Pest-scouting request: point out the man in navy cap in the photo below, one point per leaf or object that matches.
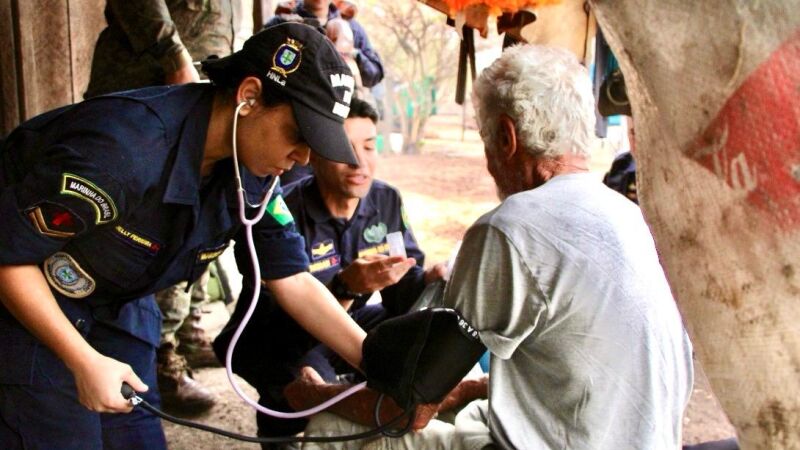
(344, 215)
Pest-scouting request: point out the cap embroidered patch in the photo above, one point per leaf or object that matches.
(54, 220)
(375, 233)
(67, 277)
(321, 249)
(86, 190)
(279, 211)
(287, 57)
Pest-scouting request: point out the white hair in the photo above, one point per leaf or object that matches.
(547, 94)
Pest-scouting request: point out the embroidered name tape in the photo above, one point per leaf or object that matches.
(88, 191)
(137, 239)
(323, 264)
(210, 254)
(382, 248)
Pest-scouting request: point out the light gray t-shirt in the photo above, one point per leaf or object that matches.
(588, 348)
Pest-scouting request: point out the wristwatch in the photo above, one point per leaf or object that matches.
(340, 290)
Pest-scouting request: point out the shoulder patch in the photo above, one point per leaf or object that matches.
(404, 216)
(279, 211)
(67, 277)
(86, 190)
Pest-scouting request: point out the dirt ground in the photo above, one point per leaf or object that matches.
(445, 188)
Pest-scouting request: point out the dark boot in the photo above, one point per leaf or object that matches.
(179, 391)
(195, 344)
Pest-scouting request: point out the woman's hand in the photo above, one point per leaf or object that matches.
(99, 380)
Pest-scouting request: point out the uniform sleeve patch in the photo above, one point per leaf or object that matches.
(55, 220)
(404, 216)
(279, 211)
(67, 277)
(86, 190)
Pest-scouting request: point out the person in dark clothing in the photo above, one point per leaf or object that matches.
(108, 201)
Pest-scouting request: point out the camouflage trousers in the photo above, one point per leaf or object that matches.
(176, 305)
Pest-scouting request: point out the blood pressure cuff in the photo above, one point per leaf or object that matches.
(421, 356)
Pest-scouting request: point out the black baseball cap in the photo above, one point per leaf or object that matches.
(302, 63)
(613, 98)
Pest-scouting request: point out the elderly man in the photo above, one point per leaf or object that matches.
(561, 282)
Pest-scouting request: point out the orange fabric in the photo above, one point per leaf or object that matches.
(497, 7)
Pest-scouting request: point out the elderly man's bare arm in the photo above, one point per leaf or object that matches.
(310, 390)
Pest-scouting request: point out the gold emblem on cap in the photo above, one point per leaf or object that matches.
(286, 58)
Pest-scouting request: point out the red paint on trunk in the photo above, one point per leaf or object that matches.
(754, 142)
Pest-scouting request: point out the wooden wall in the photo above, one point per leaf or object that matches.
(45, 55)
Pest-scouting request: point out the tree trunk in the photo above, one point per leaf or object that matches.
(716, 99)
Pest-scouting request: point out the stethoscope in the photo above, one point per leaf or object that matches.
(248, 226)
(248, 223)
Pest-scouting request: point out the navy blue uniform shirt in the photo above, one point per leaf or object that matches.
(273, 342)
(107, 197)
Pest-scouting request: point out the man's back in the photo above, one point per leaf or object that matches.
(588, 347)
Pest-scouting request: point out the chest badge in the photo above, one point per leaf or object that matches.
(322, 249)
(67, 277)
(375, 233)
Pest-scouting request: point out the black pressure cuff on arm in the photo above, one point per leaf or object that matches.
(421, 356)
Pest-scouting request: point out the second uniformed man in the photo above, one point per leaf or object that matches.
(344, 216)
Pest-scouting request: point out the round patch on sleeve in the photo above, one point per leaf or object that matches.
(67, 277)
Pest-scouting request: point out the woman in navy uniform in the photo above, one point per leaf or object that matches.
(107, 201)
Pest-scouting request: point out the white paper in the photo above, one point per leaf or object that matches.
(397, 246)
